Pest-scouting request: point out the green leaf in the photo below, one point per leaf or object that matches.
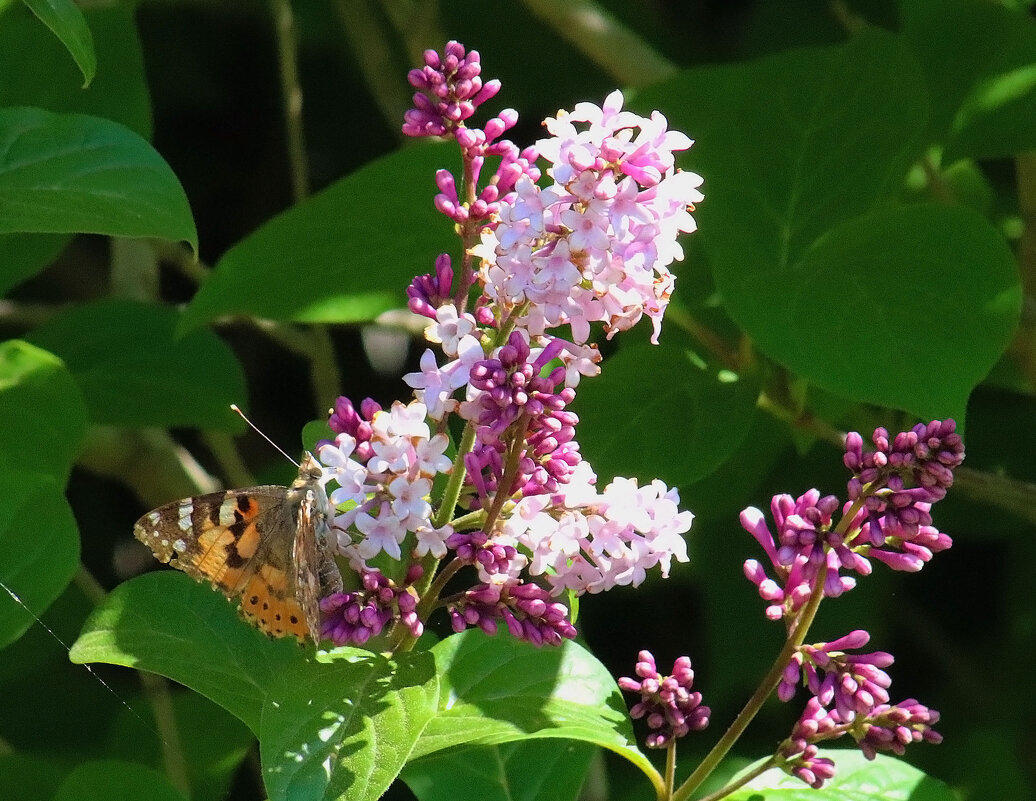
(346, 728)
(498, 690)
(66, 21)
(134, 371)
(39, 549)
(24, 255)
(792, 145)
(908, 308)
(344, 255)
(519, 771)
(869, 303)
(69, 173)
(43, 411)
(996, 120)
(356, 709)
(684, 420)
(978, 62)
(856, 779)
(314, 431)
(29, 778)
(166, 623)
(44, 423)
(38, 72)
(214, 742)
(112, 780)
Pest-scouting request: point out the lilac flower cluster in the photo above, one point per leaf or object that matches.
(799, 756)
(596, 244)
(886, 518)
(668, 704)
(898, 483)
(449, 90)
(854, 683)
(511, 386)
(517, 501)
(384, 470)
(884, 728)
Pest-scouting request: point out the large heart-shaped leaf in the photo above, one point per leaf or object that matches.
(655, 413)
(498, 690)
(39, 549)
(43, 411)
(338, 726)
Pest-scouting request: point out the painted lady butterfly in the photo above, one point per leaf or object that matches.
(265, 546)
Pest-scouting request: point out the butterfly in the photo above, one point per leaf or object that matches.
(267, 546)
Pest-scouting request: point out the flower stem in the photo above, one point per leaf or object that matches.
(451, 494)
(769, 683)
(741, 782)
(670, 768)
(430, 598)
(503, 487)
(287, 52)
(156, 691)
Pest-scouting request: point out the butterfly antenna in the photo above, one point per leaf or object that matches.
(256, 429)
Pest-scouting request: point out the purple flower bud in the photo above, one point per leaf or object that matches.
(523, 607)
(901, 478)
(355, 617)
(670, 708)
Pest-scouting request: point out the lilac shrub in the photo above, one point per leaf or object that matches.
(544, 258)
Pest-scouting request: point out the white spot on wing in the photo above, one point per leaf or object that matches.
(226, 514)
(185, 516)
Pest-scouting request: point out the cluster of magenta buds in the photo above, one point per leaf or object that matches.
(352, 618)
(818, 539)
(670, 708)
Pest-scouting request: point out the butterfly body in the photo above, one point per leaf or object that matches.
(267, 546)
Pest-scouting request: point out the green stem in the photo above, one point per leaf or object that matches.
(741, 782)
(376, 56)
(291, 91)
(431, 598)
(156, 689)
(769, 683)
(89, 585)
(323, 369)
(231, 465)
(503, 486)
(470, 521)
(451, 494)
(616, 49)
(670, 768)
(430, 585)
